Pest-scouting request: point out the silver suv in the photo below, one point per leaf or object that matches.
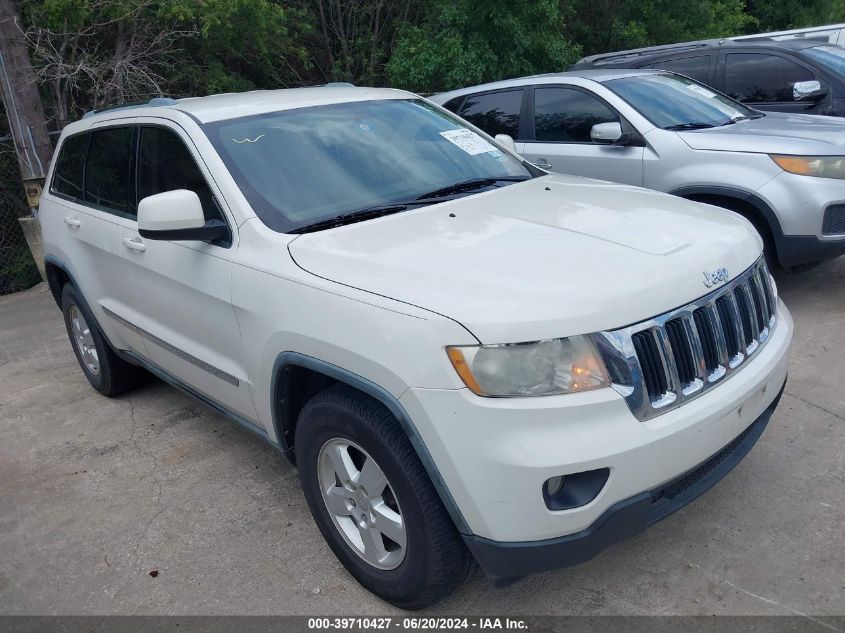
(657, 129)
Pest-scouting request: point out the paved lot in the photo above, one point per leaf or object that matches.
(96, 493)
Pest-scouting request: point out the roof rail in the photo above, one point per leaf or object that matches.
(152, 103)
(337, 84)
(609, 58)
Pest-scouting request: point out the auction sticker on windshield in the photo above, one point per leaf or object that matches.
(468, 141)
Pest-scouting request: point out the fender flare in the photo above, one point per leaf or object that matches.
(286, 360)
(749, 197)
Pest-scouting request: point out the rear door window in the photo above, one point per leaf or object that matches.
(70, 167)
(495, 112)
(108, 171)
(697, 67)
(762, 78)
(566, 115)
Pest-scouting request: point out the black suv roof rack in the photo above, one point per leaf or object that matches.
(154, 102)
(620, 56)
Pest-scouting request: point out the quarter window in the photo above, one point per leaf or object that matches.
(495, 112)
(759, 78)
(70, 167)
(565, 115)
(697, 67)
(166, 164)
(108, 171)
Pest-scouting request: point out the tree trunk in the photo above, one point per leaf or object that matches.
(22, 103)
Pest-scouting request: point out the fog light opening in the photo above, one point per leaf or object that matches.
(564, 492)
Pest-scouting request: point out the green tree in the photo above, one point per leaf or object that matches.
(777, 15)
(464, 42)
(607, 25)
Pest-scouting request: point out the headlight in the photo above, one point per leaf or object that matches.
(542, 368)
(819, 166)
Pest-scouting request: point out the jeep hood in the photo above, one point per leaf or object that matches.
(549, 257)
(775, 133)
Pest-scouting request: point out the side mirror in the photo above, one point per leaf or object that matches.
(807, 90)
(177, 215)
(507, 141)
(607, 133)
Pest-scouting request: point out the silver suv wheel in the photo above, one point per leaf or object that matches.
(361, 503)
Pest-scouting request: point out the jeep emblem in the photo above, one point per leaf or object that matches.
(718, 276)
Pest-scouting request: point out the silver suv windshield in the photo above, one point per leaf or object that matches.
(673, 102)
(312, 168)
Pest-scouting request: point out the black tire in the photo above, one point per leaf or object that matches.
(435, 559)
(115, 376)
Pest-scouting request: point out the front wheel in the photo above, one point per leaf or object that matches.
(373, 501)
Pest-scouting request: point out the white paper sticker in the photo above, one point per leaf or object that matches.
(468, 141)
(702, 90)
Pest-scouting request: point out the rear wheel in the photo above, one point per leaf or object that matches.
(373, 501)
(107, 373)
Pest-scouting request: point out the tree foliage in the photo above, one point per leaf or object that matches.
(461, 42)
(89, 53)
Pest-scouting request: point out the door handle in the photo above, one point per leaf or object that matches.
(134, 244)
(73, 222)
(542, 164)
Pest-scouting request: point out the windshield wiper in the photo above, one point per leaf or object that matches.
(360, 215)
(432, 197)
(739, 118)
(469, 185)
(688, 126)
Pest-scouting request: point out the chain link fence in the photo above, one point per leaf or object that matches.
(17, 268)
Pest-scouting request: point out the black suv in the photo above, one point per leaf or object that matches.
(802, 77)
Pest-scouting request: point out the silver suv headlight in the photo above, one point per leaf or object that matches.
(540, 368)
(818, 166)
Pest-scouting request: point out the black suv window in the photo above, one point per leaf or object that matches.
(759, 78)
(70, 164)
(165, 164)
(108, 171)
(495, 112)
(697, 67)
(567, 115)
(452, 104)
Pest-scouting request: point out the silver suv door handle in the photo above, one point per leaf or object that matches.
(134, 244)
(73, 222)
(542, 164)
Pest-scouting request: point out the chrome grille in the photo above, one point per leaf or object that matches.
(661, 363)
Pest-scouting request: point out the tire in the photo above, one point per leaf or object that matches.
(433, 560)
(107, 373)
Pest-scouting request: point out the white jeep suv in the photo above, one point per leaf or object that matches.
(470, 359)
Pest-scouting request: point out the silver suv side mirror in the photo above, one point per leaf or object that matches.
(807, 90)
(507, 142)
(606, 133)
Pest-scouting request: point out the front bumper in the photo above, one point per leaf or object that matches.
(799, 202)
(494, 454)
(622, 520)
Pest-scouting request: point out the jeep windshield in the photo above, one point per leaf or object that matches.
(673, 102)
(314, 168)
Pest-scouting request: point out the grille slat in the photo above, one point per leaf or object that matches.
(682, 351)
(692, 347)
(655, 380)
(730, 325)
(707, 336)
